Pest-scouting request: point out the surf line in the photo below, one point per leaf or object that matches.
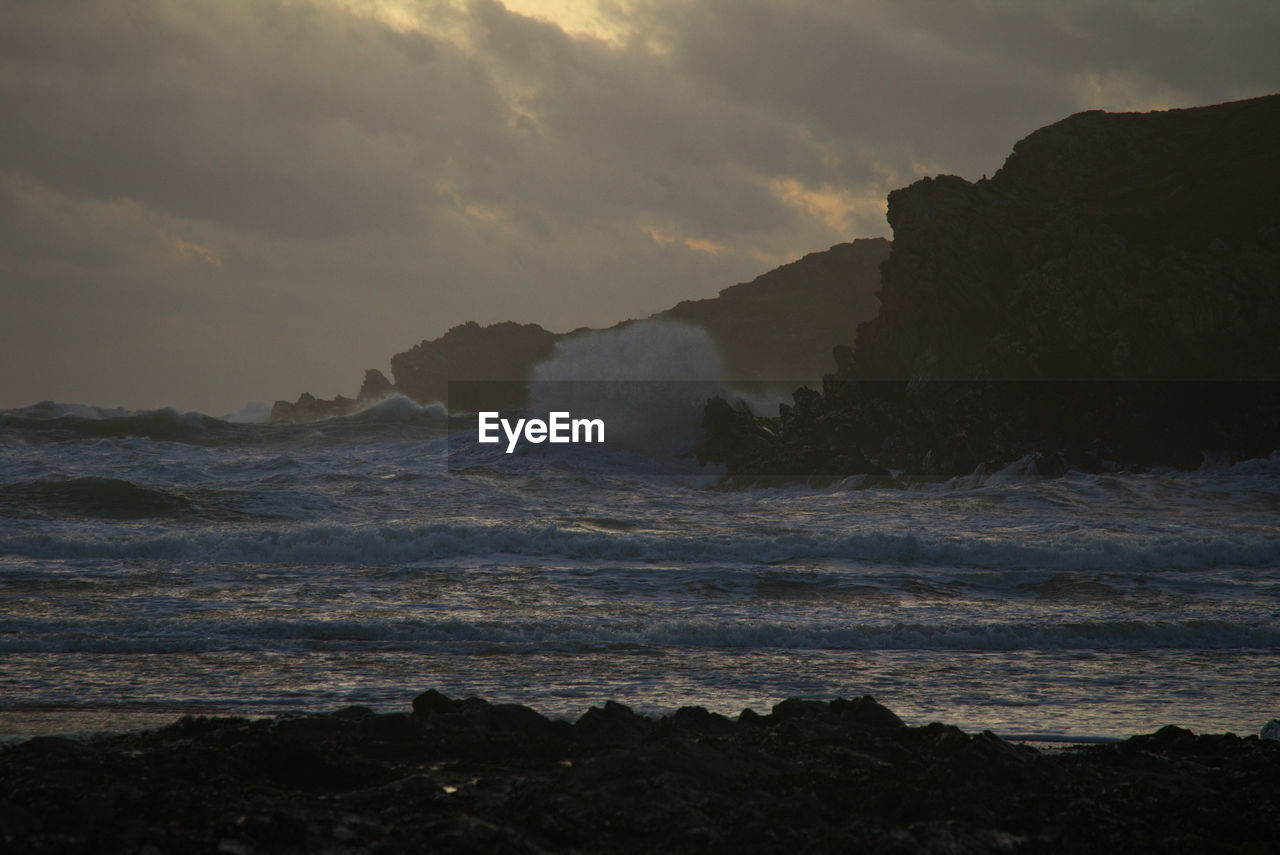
(558, 428)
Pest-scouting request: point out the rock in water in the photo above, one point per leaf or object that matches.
(375, 387)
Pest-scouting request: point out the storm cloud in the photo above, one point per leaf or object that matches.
(203, 203)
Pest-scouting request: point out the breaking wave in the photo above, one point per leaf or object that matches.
(95, 497)
(648, 381)
(363, 545)
(126, 636)
(393, 418)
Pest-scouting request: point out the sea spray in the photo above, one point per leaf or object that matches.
(647, 380)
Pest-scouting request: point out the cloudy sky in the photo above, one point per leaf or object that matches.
(207, 202)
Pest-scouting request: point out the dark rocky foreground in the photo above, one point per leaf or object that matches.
(469, 776)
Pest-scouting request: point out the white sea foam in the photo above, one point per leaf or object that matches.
(648, 381)
(398, 408)
(649, 350)
(254, 412)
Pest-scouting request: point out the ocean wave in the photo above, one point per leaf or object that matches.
(362, 545)
(95, 497)
(395, 418)
(602, 634)
(396, 408)
(50, 422)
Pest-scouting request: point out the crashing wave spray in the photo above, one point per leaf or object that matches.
(645, 350)
(648, 380)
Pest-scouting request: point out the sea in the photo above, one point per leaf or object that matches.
(156, 564)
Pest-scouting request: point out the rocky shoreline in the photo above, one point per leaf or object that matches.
(470, 776)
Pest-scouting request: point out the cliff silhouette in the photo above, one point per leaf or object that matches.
(1108, 299)
(1108, 246)
(780, 326)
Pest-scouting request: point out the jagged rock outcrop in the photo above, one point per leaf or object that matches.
(1124, 267)
(502, 355)
(375, 387)
(309, 408)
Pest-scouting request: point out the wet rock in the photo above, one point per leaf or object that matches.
(520, 722)
(793, 708)
(375, 386)
(309, 408)
(865, 712)
(696, 721)
(432, 702)
(495, 361)
(393, 728)
(1169, 736)
(611, 725)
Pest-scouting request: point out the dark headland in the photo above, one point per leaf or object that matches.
(470, 776)
(1109, 299)
(779, 326)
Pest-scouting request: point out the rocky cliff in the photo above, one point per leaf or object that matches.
(1124, 267)
(780, 326)
(1109, 246)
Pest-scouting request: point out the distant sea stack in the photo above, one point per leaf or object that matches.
(1109, 298)
(780, 326)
